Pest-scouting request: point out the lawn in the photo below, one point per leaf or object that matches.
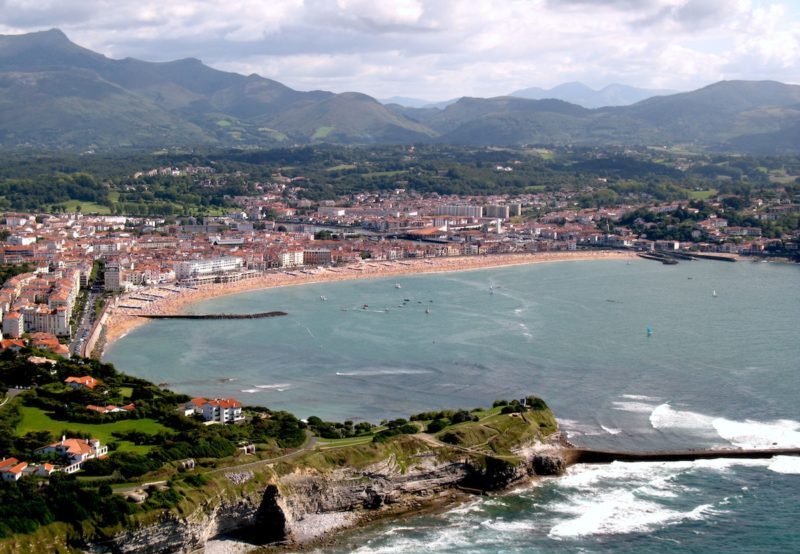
(327, 444)
(34, 419)
(86, 207)
(702, 194)
(341, 167)
(384, 173)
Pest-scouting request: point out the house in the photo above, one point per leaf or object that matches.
(85, 382)
(75, 451)
(111, 409)
(223, 410)
(14, 344)
(11, 469)
(45, 470)
(218, 410)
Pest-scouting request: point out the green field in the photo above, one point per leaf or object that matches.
(322, 132)
(702, 194)
(34, 419)
(384, 173)
(86, 207)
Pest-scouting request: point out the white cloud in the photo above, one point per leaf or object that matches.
(441, 48)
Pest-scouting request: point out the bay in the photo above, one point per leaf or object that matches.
(716, 371)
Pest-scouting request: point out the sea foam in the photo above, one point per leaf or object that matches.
(781, 433)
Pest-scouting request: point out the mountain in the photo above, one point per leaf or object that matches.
(56, 94)
(578, 93)
(416, 102)
(729, 115)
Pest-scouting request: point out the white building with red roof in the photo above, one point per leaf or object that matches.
(12, 469)
(85, 382)
(75, 451)
(217, 410)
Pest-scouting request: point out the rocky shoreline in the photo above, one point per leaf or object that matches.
(307, 508)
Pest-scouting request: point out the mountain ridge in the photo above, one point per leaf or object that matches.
(57, 94)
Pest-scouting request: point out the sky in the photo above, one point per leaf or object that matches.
(441, 49)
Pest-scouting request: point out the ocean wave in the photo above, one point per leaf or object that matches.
(623, 497)
(250, 391)
(378, 372)
(783, 433)
(622, 513)
(665, 416)
(279, 386)
(508, 526)
(759, 434)
(633, 407)
(641, 397)
(789, 465)
(611, 430)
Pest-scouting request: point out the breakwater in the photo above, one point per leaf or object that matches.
(588, 456)
(259, 315)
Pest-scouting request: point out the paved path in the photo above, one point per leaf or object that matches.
(10, 396)
(307, 447)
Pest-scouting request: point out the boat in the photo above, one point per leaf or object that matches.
(714, 293)
(397, 286)
(323, 298)
(365, 307)
(427, 310)
(649, 331)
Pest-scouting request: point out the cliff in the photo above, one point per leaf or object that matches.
(304, 502)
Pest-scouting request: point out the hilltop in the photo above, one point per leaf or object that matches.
(171, 483)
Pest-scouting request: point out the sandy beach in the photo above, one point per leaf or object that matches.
(123, 316)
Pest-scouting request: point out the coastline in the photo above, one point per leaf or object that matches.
(121, 320)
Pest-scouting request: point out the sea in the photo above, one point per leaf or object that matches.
(630, 355)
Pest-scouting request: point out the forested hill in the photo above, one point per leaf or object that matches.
(55, 94)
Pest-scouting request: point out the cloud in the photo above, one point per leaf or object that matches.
(439, 49)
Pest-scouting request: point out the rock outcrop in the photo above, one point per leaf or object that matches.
(307, 505)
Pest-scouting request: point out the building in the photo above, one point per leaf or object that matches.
(460, 210)
(113, 276)
(85, 382)
(291, 258)
(75, 451)
(11, 469)
(198, 270)
(13, 325)
(217, 410)
(496, 211)
(316, 256)
(110, 409)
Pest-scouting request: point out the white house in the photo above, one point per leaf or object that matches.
(75, 451)
(218, 410)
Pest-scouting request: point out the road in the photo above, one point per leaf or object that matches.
(86, 322)
(10, 396)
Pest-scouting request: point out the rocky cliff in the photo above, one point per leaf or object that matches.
(305, 505)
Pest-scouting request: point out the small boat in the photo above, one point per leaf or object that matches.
(365, 307)
(427, 310)
(397, 286)
(649, 331)
(323, 298)
(714, 293)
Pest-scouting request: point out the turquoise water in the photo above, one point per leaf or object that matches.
(719, 371)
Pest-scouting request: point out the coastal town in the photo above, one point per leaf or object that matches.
(77, 280)
(67, 268)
